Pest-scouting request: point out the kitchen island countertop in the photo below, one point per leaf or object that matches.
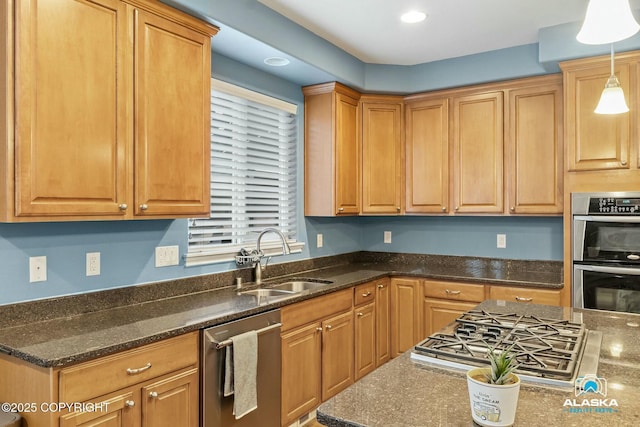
(404, 393)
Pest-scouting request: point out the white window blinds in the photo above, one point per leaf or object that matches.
(253, 170)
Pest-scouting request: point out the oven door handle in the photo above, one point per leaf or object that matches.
(605, 269)
(620, 219)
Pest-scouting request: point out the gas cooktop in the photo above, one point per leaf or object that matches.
(549, 351)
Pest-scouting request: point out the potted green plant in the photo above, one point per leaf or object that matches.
(493, 391)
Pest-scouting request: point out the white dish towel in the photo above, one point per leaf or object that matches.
(241, 369)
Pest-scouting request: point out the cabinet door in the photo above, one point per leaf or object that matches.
(120, 409)
(172, 401)
(347, 155)
(439, 313)
(172, 115)
(381, 158)
(406, 318)
(427, 147)
(383, 319)
(71, 108)
(365, 339)
(337, 354)
(478, 153)
(534, 150)
(301, 371)
(595, 141)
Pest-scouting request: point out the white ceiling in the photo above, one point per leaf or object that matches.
(371, 30)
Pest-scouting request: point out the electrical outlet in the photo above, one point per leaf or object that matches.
(387, 237)
(93, 263)
(167, 256)
(319, 241)
(37, 269)
(501, 241)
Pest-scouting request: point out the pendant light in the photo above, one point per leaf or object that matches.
(607, 21)
(612, 99)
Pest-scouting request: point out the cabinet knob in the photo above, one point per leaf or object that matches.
(123, 206)
(444, 209)
(153, 394)
(512, 209)
(457, 207)
(623, 163)
(144, 207)
(380, 286)
(523, 299)
(328, 327)
(360, 314)
(319, 329)
(340, 209)
(129, 403)
(398, 208)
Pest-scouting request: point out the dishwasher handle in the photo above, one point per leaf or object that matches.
(228, 342)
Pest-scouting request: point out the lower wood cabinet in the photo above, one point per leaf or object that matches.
(522, 294)
(337, 354)
(439, 313)
(406, 314)
(383, 321)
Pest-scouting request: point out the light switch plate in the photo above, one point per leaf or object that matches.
(387, 237)
(501, 241)
(167, 256)
(319, 240)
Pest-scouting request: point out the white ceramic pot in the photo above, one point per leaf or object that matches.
(492, 405)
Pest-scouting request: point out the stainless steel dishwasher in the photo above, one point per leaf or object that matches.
(217, 410)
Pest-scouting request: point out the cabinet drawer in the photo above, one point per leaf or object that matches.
(365, 293)
(315, 309)
(535, 296)
(109, 373)
(454, 291)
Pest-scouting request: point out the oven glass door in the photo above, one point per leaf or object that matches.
(617, 242)
(609, 288)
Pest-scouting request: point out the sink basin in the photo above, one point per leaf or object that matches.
(261, 293)
(300, 285)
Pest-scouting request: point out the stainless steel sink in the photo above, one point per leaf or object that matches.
(261, 293)
(300, 285)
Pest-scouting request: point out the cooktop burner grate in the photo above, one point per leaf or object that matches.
(545, 348)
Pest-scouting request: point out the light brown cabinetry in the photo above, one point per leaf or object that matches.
(382, 155)
(522, 294)
(596, 141)
(444, 302)
(112, 124)
(427, 155)
(534, 149)
(332, 155)
(478, 150)
(317, 352)
(383, 321)
(365, 339)
(406, 314)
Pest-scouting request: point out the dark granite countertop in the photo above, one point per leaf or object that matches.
(66, 330)
(405, 393)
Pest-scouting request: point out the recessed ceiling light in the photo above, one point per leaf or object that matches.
(276, 61)
(413, 16)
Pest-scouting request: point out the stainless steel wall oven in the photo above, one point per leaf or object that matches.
(606, 251)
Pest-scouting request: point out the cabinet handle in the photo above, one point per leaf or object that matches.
(131, 371)
(623, 163)
(360, 314)
(328, 327)
(144, 207)
(523, 299)
(153, 394)
(319, 329)
(457, 207)
(398, 208)
(340, 209)
(380, 286)
(129, 403)
(512, 209)
(444, 209)
(366, 294)
(123, 206)
(450, 292)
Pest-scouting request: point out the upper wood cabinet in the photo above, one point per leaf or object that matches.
(107, 112)
(332, 150)
(427, 155)
(478, 150)
(596, 141)
(382, 154)
(533, 148)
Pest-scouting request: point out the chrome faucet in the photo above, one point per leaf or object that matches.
(258, 265)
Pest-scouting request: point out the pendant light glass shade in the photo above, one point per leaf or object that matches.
(607, 21)
(612, 99)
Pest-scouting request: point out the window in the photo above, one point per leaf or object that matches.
(253, 174)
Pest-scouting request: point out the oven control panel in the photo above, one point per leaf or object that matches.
(614, 205)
